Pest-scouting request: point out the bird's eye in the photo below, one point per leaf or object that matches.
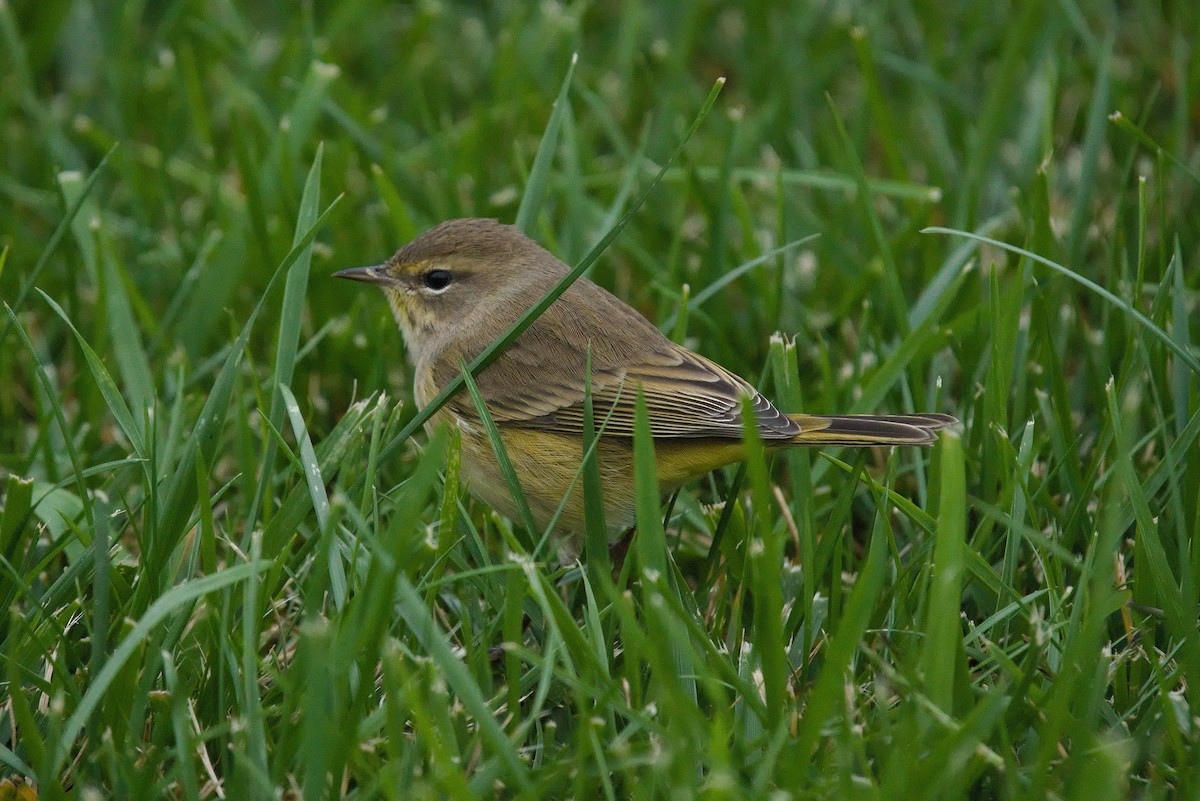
(437, 280)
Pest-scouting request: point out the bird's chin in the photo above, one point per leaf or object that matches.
(415, 325)
(400, 310)
(398, 302)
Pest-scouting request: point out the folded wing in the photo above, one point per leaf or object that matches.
(687, 396)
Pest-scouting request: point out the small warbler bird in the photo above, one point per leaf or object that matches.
(458, 287)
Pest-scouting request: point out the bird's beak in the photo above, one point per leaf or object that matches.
(368, 275)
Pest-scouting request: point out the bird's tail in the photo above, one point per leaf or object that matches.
(863, 430)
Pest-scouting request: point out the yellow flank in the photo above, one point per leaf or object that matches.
(681, 460)
(548, 467)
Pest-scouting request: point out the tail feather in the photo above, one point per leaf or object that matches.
(863, 430)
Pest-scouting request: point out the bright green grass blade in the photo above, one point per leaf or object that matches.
(671, 659)
(602, 655)
(766, 568)
(14, 515)
(943, 626)
(290, 321)
(501, 451)
(1020, 503)
(316, 657)
(108, 388)
(823, 179)
(316, 488)
(539, 173)
(1102, 770)
(650, 543)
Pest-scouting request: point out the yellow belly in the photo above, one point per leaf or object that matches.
(549, 467)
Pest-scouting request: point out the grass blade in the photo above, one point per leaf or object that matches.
(943, 625)
(165, 605)
(290, 320)
(539, 173)
(433, 640)
(1120, 303)
(55, 237)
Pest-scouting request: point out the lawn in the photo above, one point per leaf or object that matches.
(233, 563)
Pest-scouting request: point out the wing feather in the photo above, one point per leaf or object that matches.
(687, 396)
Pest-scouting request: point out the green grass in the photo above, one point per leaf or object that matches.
(230, 561)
